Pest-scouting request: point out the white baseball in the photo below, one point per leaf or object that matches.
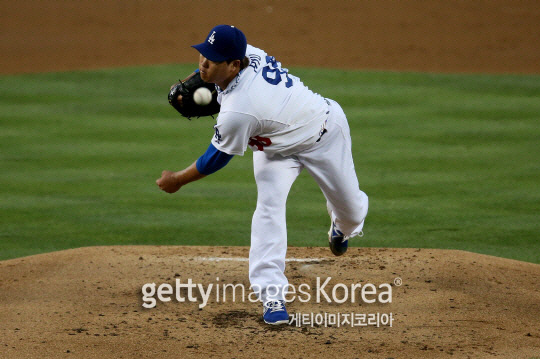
(202, 96)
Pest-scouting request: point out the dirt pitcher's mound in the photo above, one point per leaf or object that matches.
(88, 303)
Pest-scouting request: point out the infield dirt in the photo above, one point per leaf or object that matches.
(87, 303)
(442, 36)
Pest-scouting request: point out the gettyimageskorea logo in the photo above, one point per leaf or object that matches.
(321, 291)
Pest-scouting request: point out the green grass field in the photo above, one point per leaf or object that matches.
(448, 161)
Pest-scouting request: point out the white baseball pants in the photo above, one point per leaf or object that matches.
(330, 163)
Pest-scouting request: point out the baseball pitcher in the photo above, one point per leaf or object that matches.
(289, 128)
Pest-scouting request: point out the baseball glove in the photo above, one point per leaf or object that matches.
(187, 107)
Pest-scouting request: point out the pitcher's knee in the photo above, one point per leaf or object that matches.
(353, 216)
(354, 221)
(271, 203)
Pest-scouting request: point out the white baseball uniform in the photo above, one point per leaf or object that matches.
(289, 128)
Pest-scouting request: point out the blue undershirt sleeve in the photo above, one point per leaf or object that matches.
(212, 160)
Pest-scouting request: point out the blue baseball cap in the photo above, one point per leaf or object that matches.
(224, 42)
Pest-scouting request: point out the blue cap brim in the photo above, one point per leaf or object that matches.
(209, 53)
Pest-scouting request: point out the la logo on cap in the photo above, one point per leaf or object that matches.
(211, 38)
(223, 43)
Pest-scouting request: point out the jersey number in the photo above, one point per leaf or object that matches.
(259, 142)
(272, 72)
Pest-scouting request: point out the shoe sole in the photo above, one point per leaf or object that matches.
(335, 250)
(279, 322)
